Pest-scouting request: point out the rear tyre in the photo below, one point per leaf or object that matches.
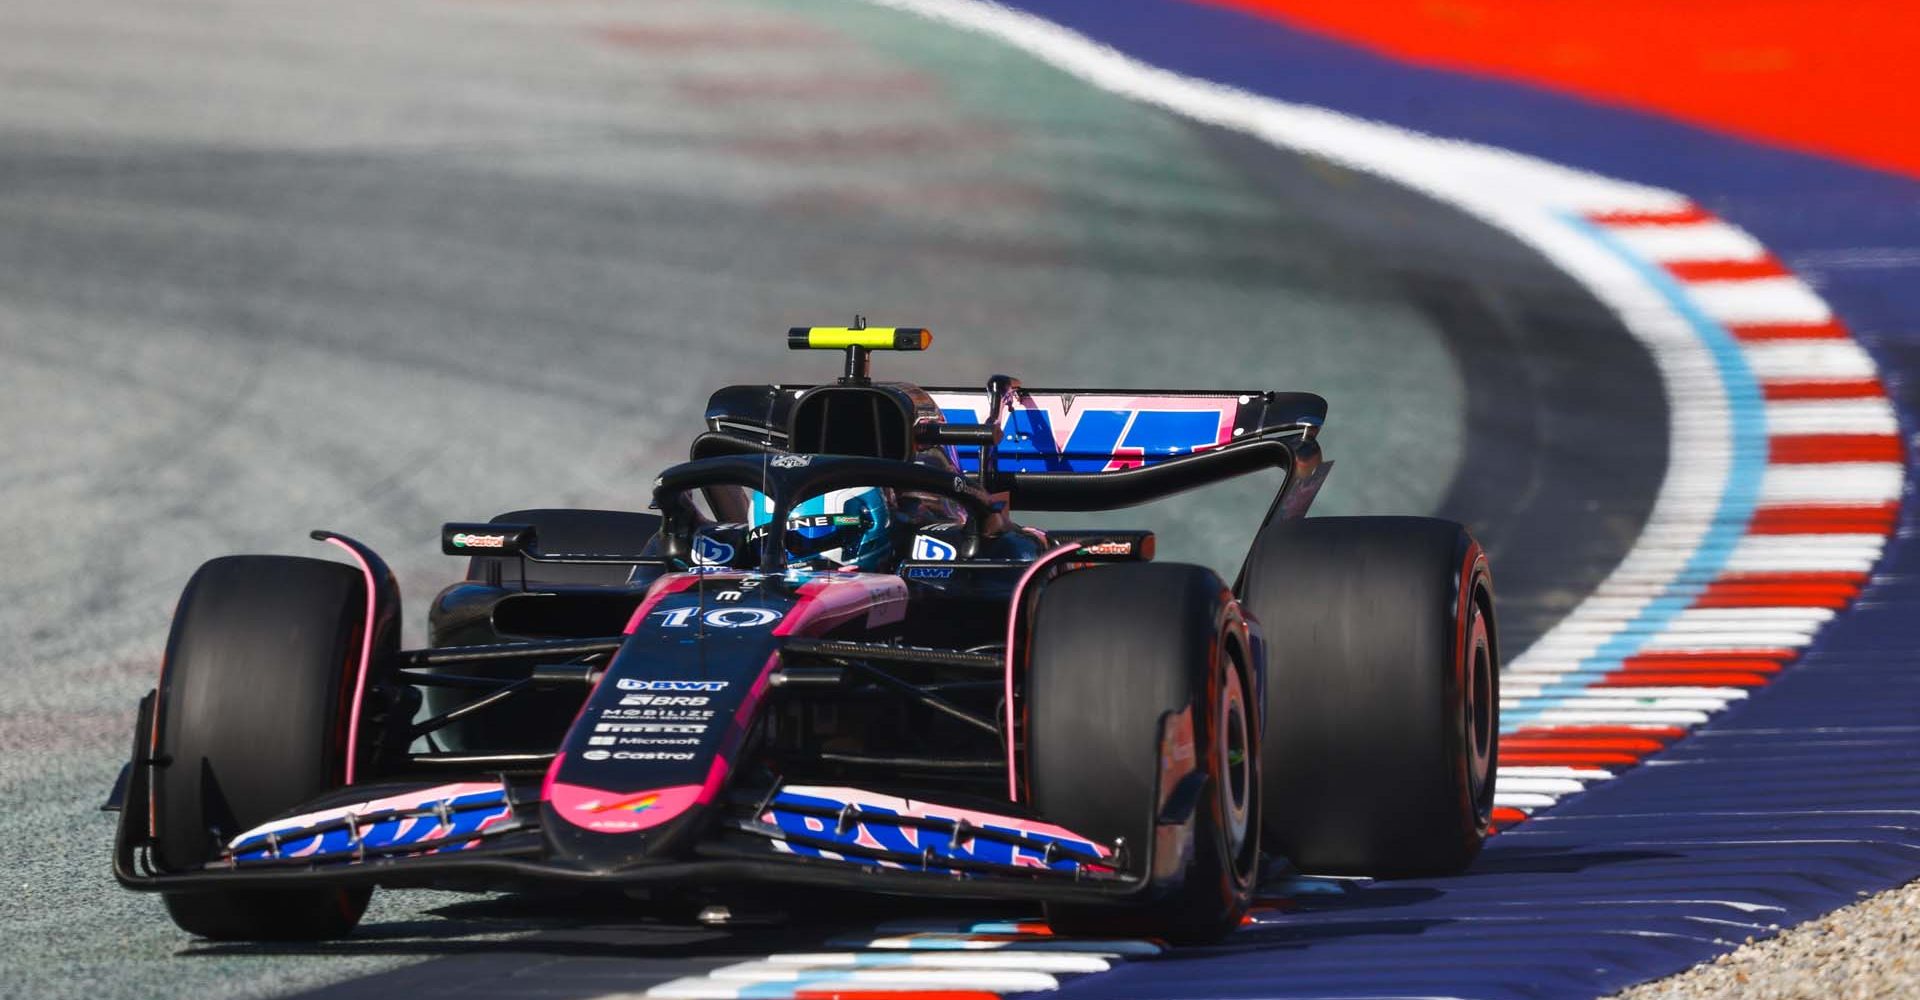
(596, 532)
(253, 707)
(1115, 651)
(1383, 693)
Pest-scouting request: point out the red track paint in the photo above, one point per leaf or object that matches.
(1795, 449)
(1726, 270)
(1569, 744)
(1707, 679)
(1805, 519)
(1865, 388)
(1656, 663)
(1831, 330)
(1826, 78)
(1692, 213)
(1506, 816)
(1570, 758)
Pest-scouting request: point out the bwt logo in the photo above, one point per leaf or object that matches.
(1093, 440)
(873, 831)
(629, 684)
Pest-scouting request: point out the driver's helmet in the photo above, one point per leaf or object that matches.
(852, 527)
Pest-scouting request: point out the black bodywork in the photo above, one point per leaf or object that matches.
(787, 688)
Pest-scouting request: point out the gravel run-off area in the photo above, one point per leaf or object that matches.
(1868, 950)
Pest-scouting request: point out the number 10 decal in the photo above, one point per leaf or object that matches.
(719, 617)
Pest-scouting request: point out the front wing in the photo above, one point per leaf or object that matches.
(486, 835)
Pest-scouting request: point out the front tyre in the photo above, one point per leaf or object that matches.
(252, 720)
(1119, 656)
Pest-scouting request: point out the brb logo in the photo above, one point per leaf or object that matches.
(1096, 433)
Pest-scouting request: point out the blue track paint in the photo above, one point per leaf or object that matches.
(1747, 429)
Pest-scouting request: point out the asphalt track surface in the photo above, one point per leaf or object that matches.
(265, 268)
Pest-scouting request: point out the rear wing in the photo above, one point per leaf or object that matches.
(1080, 449)
(1106, 430)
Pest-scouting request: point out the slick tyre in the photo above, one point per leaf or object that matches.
(253, 705)
(1383, 693)
(1120, 656)
(597, 532)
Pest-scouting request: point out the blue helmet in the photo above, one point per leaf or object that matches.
(852, 527)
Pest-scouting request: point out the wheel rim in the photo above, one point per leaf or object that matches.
(1236, 761)
(1479, 708)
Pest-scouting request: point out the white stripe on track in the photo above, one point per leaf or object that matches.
(1697, 241)
(1831, 416)
(1774, 360)
(1839, 482)
(1759, 301)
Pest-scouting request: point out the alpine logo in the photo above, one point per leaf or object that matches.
(708, 552)
(927, 548)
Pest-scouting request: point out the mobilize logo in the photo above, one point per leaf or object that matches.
(629, 684)
(630, 714)
(464, 540)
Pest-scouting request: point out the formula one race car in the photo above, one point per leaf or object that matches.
(830, 657)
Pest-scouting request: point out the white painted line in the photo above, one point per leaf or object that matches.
(1694, 241)
(1724, 694)
(1522, 800)
(1062, 962)
(1617, 717)
(690, 988)
(1624, 700)
(1831, 416)
(963, 942)
(1540, 786)
(1576, 773)
(1836, 482)
(1680, 642)
(1781, 360)
(1721, 694)
(991, 980)
(1759, 300)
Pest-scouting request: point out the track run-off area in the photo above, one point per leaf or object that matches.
(437, 262)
